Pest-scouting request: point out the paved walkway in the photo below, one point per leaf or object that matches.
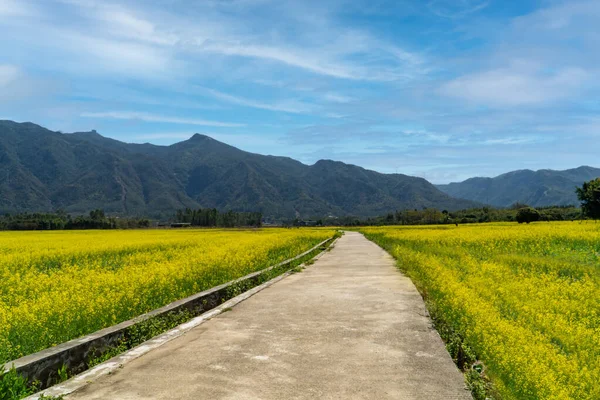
(351, 326)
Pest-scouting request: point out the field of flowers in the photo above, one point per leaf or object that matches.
(59, 285)
(525, 299)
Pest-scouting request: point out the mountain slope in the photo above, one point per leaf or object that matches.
(537, 188)
(41, 170)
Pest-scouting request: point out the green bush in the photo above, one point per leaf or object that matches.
(13, 386)
(528, 215)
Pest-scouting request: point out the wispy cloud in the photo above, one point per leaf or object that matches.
(93, 51)
(456, 8)
(510, 141)
(292, 58)
(338, 98)
(123, 22)
(140, 35)
(118, 56)
(430, 136)
(289, 106)
(146, 117)
(560, 16)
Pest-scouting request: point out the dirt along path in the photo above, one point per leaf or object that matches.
(351, 326)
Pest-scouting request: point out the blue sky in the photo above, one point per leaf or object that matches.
(443, 89)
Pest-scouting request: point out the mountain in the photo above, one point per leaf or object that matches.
(545, 187)
(42, 170)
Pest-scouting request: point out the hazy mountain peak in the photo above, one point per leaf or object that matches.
(544, 187)
(200, 139)
(325, 162)
(196, 137)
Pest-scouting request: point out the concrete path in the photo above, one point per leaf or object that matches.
(351, 326)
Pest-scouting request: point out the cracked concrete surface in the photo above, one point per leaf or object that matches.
(351, 326)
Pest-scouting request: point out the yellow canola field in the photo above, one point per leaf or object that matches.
(59, 285)
(526, 298)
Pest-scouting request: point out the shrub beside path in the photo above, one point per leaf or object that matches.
(351, 326)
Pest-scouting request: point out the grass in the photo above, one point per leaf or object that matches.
(141, 332)
(13, 386)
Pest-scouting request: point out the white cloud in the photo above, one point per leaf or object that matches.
(87, 52)
(403, 55)
(147, 117)
(150, 39)
(120, 21)
(119, 56)
(338, 98)
(560, 16)
(15, 8)
(545, 57)
(335, 115)
(8, 74)
(515, 87)
(128, 21)
(17, 85)
(225, 40)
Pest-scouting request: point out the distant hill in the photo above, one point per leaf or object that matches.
(42, 170)
(545, 187)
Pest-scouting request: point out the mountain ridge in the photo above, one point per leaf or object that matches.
(539, 188)
(81, 171)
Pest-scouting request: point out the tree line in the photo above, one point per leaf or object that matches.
(211, 217)
(59, 220)
(433, 216)
(588, 195)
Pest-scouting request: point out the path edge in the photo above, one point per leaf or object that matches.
(106, 368)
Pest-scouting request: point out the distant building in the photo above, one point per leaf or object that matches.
(180, 224)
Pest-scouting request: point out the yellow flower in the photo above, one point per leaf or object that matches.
(59, 285)
(526, 298)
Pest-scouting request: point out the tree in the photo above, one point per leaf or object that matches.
(518, 205)
(446, 215)
(211, 217)
(97, 215)
(589, 195)
(527, 215)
